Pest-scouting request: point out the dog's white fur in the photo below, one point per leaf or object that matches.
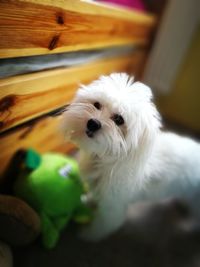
(132, 162)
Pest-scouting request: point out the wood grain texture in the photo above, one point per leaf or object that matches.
(27, 96)
(43, 135)
(97, 8)
(29, 27)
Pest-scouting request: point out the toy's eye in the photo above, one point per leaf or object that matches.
(118, 119)
(97, 105)
(65, 171)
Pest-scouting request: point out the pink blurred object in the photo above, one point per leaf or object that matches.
(137, 4)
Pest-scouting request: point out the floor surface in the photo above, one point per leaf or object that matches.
(158, 235)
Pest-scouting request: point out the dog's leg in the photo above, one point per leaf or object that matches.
(109, 216)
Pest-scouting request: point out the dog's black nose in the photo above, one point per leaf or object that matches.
(93, 125)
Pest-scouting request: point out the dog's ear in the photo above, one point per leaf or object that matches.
(143, 90)
(146, 123)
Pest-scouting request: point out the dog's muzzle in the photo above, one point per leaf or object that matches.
(93, 126)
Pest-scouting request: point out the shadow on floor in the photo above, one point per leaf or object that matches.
(158, 235)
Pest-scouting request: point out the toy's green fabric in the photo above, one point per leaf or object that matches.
(51, 184)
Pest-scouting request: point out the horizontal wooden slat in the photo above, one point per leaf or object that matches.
(43, 135)
(33, 27)
(27, 96)
(96, 8)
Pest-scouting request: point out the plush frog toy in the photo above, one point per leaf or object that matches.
(51, 184)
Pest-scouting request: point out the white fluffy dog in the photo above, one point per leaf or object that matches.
(124, 154)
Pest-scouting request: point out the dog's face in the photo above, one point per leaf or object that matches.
(111, 116)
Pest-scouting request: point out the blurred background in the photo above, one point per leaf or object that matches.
(172, 68)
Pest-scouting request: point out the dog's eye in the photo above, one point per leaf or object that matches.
(118, 119)
(97, 105)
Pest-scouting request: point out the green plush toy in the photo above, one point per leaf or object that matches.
(51, 184)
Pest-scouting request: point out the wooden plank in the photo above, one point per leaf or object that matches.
(97, 8)
(29, 27)
(43, 135)
(27, 96)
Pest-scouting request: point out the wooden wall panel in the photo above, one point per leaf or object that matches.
(42, 134)
(33, 27)
(27, 96)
